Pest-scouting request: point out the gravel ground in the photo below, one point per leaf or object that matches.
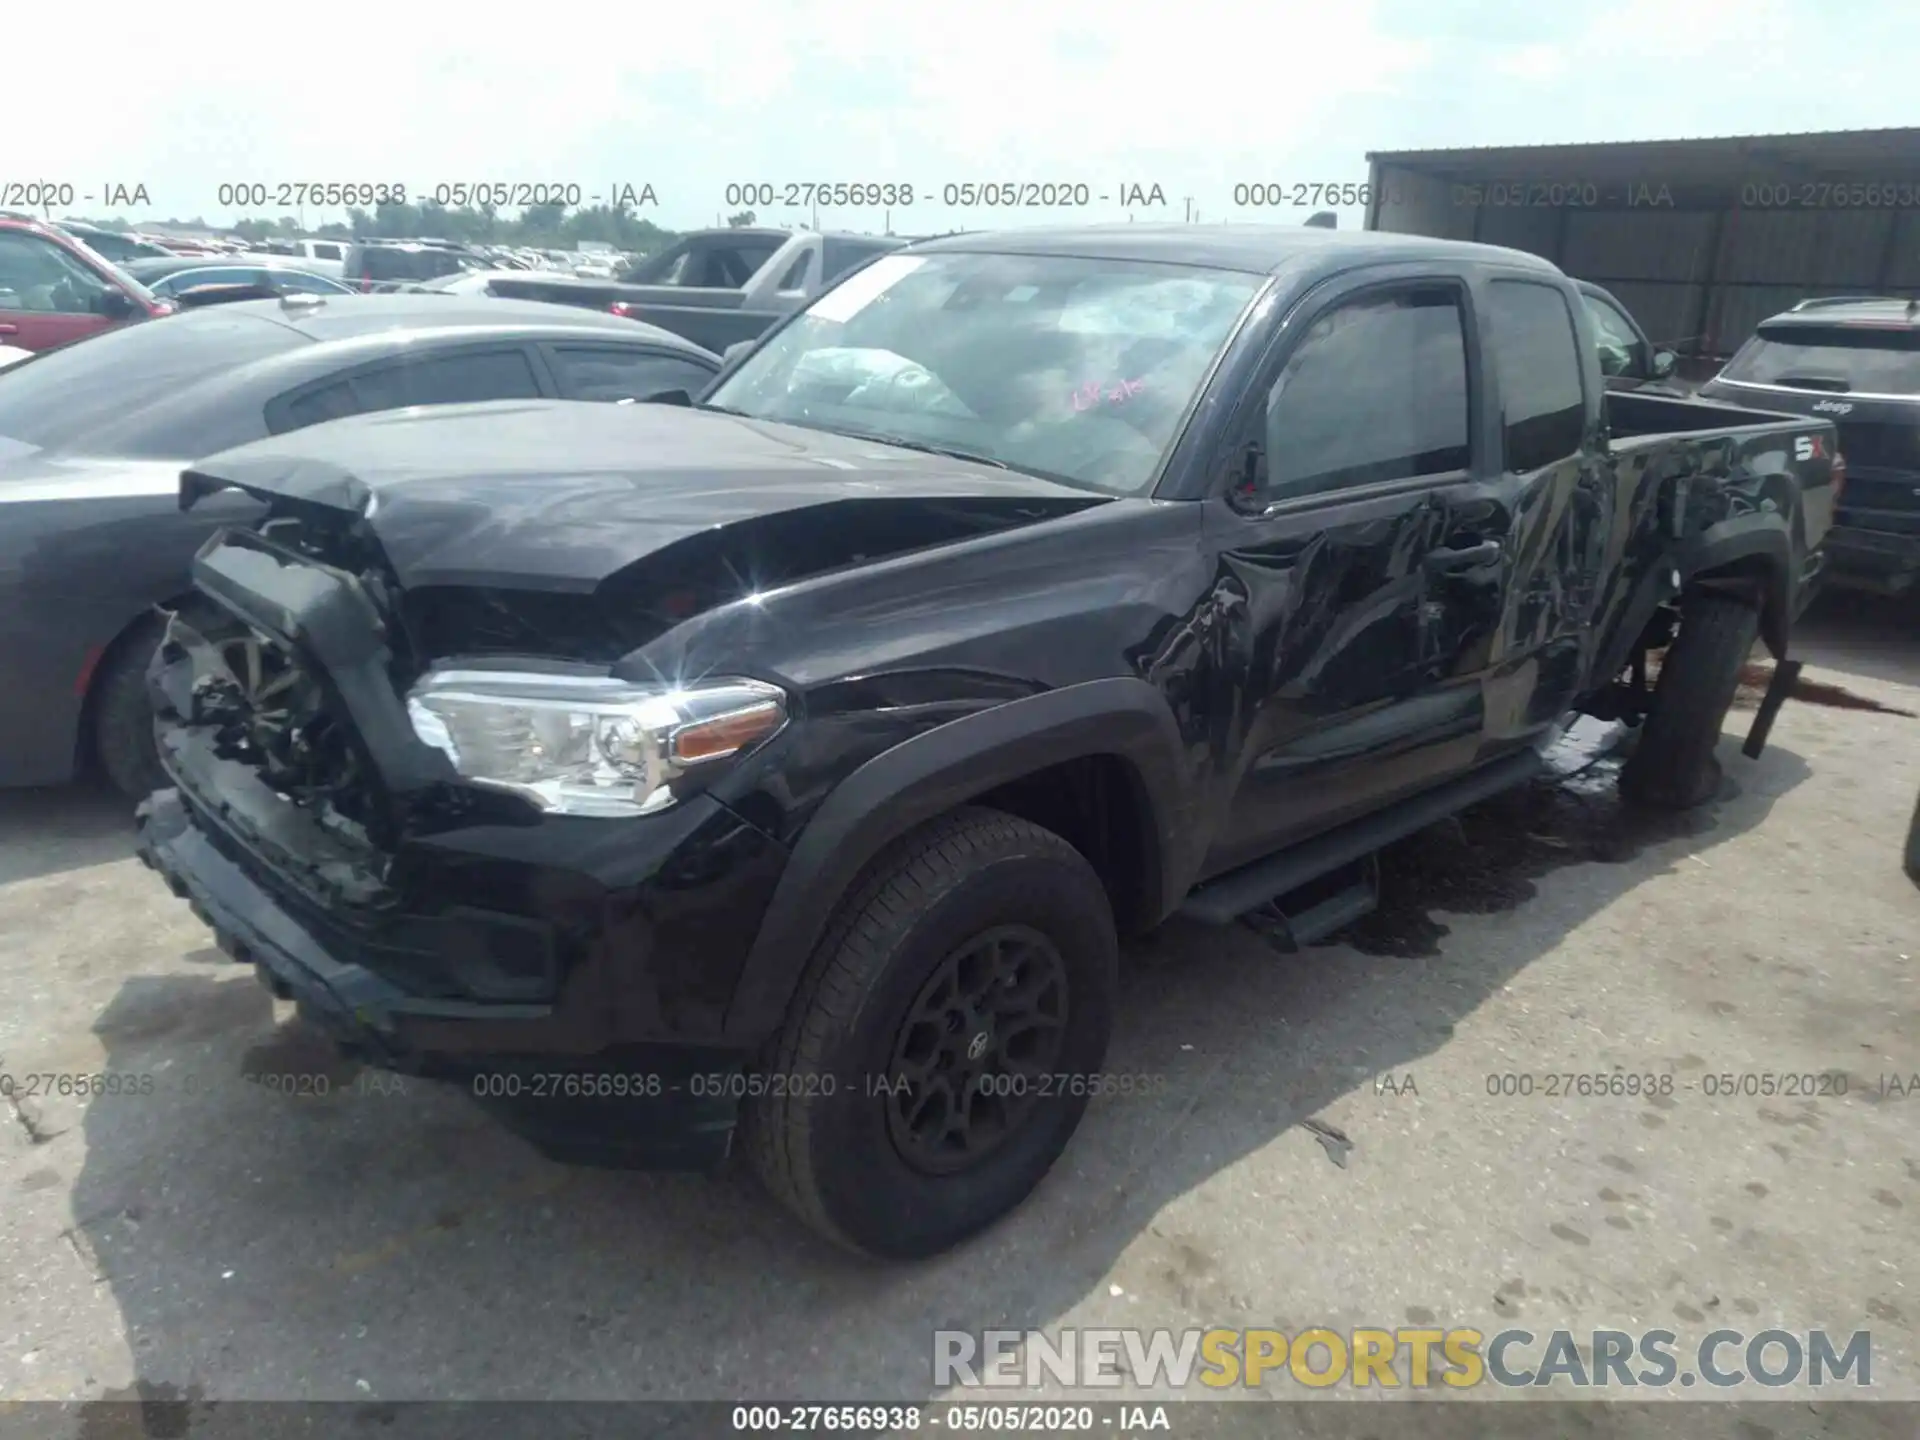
(1322, 1149)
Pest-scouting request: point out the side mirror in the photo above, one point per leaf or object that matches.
(1662, 364)
(114, 304)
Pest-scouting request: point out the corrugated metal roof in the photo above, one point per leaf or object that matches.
(1700, 160)
(1702, 238)
(1908, 134)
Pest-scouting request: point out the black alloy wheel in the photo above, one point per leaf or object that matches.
(971, 963)
(976, 1048)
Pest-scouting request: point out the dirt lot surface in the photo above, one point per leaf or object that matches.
(1327, 1144)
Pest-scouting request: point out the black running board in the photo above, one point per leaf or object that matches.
(1226, 899)
(1291, 932)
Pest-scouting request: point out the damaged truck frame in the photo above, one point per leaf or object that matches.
(790, 764)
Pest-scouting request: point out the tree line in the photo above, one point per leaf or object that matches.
(544, 227)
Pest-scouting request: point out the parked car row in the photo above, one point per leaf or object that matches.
(719, 288)
(93, 437)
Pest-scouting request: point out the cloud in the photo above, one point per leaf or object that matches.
(1194, 98)
(1537, 63)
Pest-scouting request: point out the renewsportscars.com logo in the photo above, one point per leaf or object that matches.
(1391, 1359)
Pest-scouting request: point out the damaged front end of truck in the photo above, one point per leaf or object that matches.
(427, 780)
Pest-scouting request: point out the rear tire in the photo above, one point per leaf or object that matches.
(832, 1144)
(1673, 765)
(123, 716)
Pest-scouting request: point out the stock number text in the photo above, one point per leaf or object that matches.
(1574, 1085)
(296, 193)
(1276, 194)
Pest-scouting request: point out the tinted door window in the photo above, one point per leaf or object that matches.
(326, 252)
(1377, 390)
(796, 276)
(220, 275)
(1831, 358)
(1538, 353)
(328, 403)
(303, 283)
(1619, 344)
(382, 263)
(448, 380)
(841, 256)
(612, 373)
(114, 247)
(711, 263)
(38, 276)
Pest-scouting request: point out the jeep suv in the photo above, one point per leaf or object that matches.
(1854, 360)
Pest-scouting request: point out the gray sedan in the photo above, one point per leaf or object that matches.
(93, 437)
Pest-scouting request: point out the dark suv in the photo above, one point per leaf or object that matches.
(1854, 360)
(389, 264)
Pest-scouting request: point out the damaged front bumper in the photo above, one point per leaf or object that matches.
(572, 973)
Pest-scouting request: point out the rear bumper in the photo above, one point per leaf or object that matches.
(1881, 560)
(634, 1104)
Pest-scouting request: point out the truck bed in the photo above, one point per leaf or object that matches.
(1633, 415)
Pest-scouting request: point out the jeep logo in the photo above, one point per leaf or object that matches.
(1833, 407)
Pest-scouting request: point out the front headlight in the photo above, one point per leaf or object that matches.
(588, 744)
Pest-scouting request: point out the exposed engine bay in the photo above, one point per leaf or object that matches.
(270, 713)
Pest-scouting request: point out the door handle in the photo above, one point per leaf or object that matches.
(9, 329)
(1472, 557)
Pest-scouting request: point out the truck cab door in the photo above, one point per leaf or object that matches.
(47, 296)
(1545, 499)
(1353, 606)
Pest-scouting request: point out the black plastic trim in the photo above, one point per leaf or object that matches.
(933, 773)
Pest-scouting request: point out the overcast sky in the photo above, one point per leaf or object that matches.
(1194, 96)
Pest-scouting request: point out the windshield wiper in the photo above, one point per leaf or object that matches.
(926, 449)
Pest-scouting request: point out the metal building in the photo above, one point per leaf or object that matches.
(1700, 239)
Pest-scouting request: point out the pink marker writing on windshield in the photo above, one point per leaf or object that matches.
(1090, 395)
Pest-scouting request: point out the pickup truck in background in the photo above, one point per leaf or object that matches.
(1628, 359)
(54, 289)
(717, 288)
(790, 763)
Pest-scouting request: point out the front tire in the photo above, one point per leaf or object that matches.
(123, 743)
(979, 915)
(1673, 765)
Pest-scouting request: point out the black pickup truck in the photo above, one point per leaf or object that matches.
(792, 763)
(717, 288)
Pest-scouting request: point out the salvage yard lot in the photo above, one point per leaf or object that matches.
(212, 1236)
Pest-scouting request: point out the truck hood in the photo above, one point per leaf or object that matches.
(563, 495)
